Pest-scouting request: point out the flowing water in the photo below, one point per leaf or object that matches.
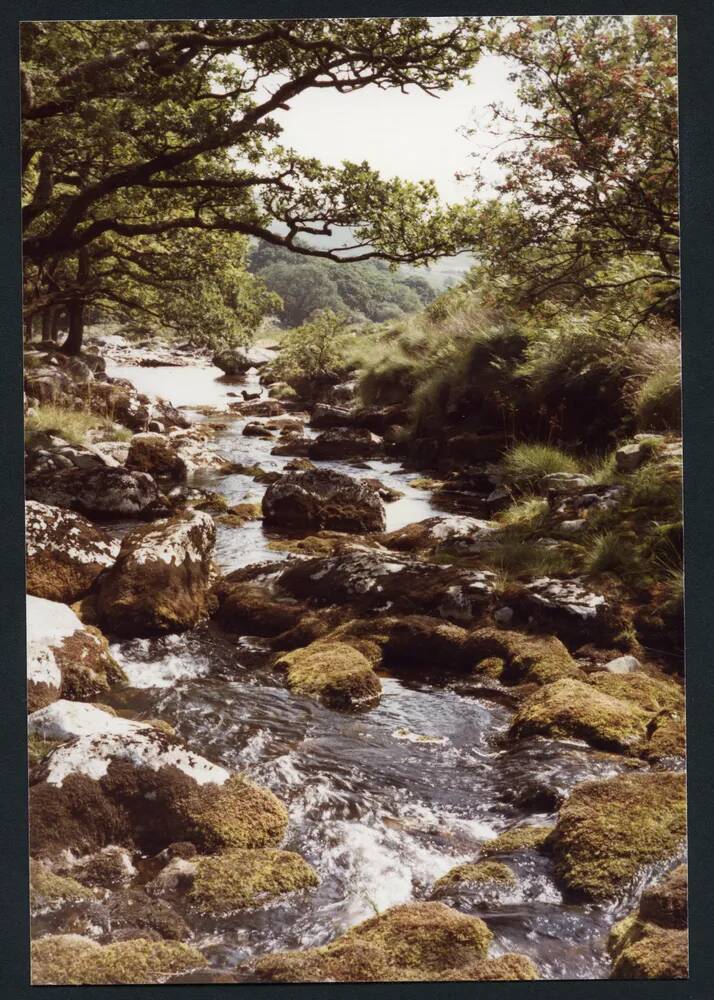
(381, 803)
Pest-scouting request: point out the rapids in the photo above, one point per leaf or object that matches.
(381, 804)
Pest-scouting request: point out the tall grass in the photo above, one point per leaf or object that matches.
(532, 462)
(72, 425)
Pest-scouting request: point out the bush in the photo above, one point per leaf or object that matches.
(658, 400)
(531, 462)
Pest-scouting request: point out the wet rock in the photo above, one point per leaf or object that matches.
(259, 408)
(510, 967)
(322, 499)
(651, 943)
(344, 444)
(175, 879)
(72, 960)
(238, 878)
(408, 942)
(333, 672)
(568, 609)
(254, 429)
(417, 643)
(380, 419)
(65, 552)
(373, 580)
(64, 657)
(526, 658)
(98, 493)
(484, 875)
(155, 454)
(456, 533)
(571, 709)
(161, 580)
(252, 609)
(133, 909)
(294, 445)
(518, 838)
(49, 890)
(126, 783)
(607, 831)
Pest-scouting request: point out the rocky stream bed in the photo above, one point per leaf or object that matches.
(254, 735)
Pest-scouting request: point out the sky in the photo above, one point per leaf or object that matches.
(413, 135)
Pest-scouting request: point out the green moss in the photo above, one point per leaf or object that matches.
(492, 666)
(478, 873)
(408, 942)
(529, 659)
(505, 968)
(71, 960)
(338, 674)
(608, 830)
(657, 953)
(520, 838)
(667, 740)
(653, 694)
(239, 878)
(571, 709)
(238, 814)
(38, 749)
(425, 483)
(47, 889)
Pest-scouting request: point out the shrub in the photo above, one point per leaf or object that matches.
(658, 399)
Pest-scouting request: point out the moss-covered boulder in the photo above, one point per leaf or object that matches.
(652, 693)
(72, 960)
(485, 874)
(161, 580)
(98, 493)
(238, 878)
(65, 658)
(408, 942)
(253, 609)
(65, 552)
(608, 831)
(123, 782)
(335, 673)
(519, 838)
(156, 454)
(531, 659)
(667, 740)
(510, 967)
(47, 889)
(651, 943)
(110, 868)
(571, 709)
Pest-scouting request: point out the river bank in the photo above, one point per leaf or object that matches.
(332, 705)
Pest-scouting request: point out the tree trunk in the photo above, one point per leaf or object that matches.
(55, 326)
(28, 330)
(75, 315)
(48, 316)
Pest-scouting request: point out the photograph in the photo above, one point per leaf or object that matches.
(353, 499)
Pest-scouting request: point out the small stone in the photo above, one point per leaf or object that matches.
(503, 616)
(623, 665)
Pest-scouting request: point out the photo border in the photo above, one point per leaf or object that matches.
(696, 87)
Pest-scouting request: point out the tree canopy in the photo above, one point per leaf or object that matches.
(588, 201)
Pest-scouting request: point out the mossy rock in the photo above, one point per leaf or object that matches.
(480, 873)
(409, 942)
(527, 658)
(333, 672)
(608, 831)
(238, 878)
(48, 889)
(665, 903)
(653, 694)
(572, 709)
(72, 960)
(38, 749)
(655, 953)
(668, 739)
(520, 838)
(493, 667)
(237, 814)
(510, 967)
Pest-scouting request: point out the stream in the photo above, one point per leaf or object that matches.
(378, 810)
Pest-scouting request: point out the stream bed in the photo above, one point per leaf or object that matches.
(382, 803)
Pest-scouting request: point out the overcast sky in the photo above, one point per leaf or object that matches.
(412, 135)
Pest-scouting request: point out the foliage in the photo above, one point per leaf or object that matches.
(366, 290)
(587, 210)
(315, 351)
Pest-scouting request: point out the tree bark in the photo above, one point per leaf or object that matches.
(48, 316)
(75, 315)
